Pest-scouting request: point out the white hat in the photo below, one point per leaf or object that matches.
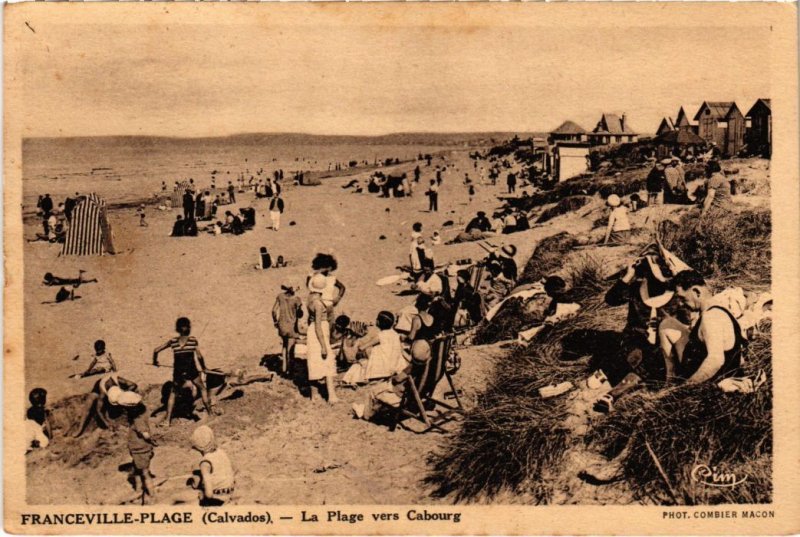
(613, 200)
(666, 161)
(127, 398)
(113, 395)
(203, 438)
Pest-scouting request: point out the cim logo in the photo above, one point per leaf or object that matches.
(714, 477)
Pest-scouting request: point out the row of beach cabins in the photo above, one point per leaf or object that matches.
(565, 152)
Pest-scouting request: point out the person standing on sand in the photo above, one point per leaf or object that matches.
(288, 308)
(511, 181)
(433, 197)
(320, 358)
(188, 367)
(276, 207)
(188, 204)
(417, 174)
(231, 192)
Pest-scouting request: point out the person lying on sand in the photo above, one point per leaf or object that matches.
(188, 366)
(51, 280)
(105, 391)
(101, 363)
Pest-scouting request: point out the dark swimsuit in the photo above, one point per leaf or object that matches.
(695, 352)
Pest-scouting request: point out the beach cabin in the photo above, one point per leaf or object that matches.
(570, 159)
(721, 123)
(569, 131)
(759, 128)
(682, 121)
(665, 126)
(612, 129)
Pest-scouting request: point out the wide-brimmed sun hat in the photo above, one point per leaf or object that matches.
(509, 250)
(613, 200)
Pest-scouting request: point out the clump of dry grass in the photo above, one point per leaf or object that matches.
(687, 425)
(628, 182)
(726, 246)
(513, 438)
(567, 205)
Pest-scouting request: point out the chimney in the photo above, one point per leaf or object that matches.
(623, 121)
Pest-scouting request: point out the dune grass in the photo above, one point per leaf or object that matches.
(515, 441)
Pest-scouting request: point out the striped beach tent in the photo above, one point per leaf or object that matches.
(177, 194)
(88, 231)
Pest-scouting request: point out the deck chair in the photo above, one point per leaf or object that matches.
(418, 403)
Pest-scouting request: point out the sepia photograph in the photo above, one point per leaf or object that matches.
(439, 257)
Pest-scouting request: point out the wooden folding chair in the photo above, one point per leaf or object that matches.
(418, 401)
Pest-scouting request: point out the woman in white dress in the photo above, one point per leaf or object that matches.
(320, 357)
(385, 354)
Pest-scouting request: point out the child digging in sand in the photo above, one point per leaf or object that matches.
(188, 366)
(140, 442)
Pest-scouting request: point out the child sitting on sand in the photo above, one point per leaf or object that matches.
(38, 410)
(102, 362)
(264, 259)
(140, 442)
(215, 477)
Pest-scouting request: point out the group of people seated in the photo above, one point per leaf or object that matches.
(505, 221)
(235, 224)
(666, 183)
(676, 331)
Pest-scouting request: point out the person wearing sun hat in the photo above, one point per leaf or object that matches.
(503, 271)
(644, 287)
(140, 441)
(618, 227)
(320, 358)
(215, 478)
(286, 311)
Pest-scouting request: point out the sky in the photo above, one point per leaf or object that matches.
(183, 76)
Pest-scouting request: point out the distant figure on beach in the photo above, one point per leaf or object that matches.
(438, 175)
(163, 186)
(276, 207)
(233, 224)
(264, 259)
(231, 192)
(188, 204)
(433, 197)
(618, 228)
(655, 183)
(511, 181)
(177, 227)
(417, 173)
(51, 280)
